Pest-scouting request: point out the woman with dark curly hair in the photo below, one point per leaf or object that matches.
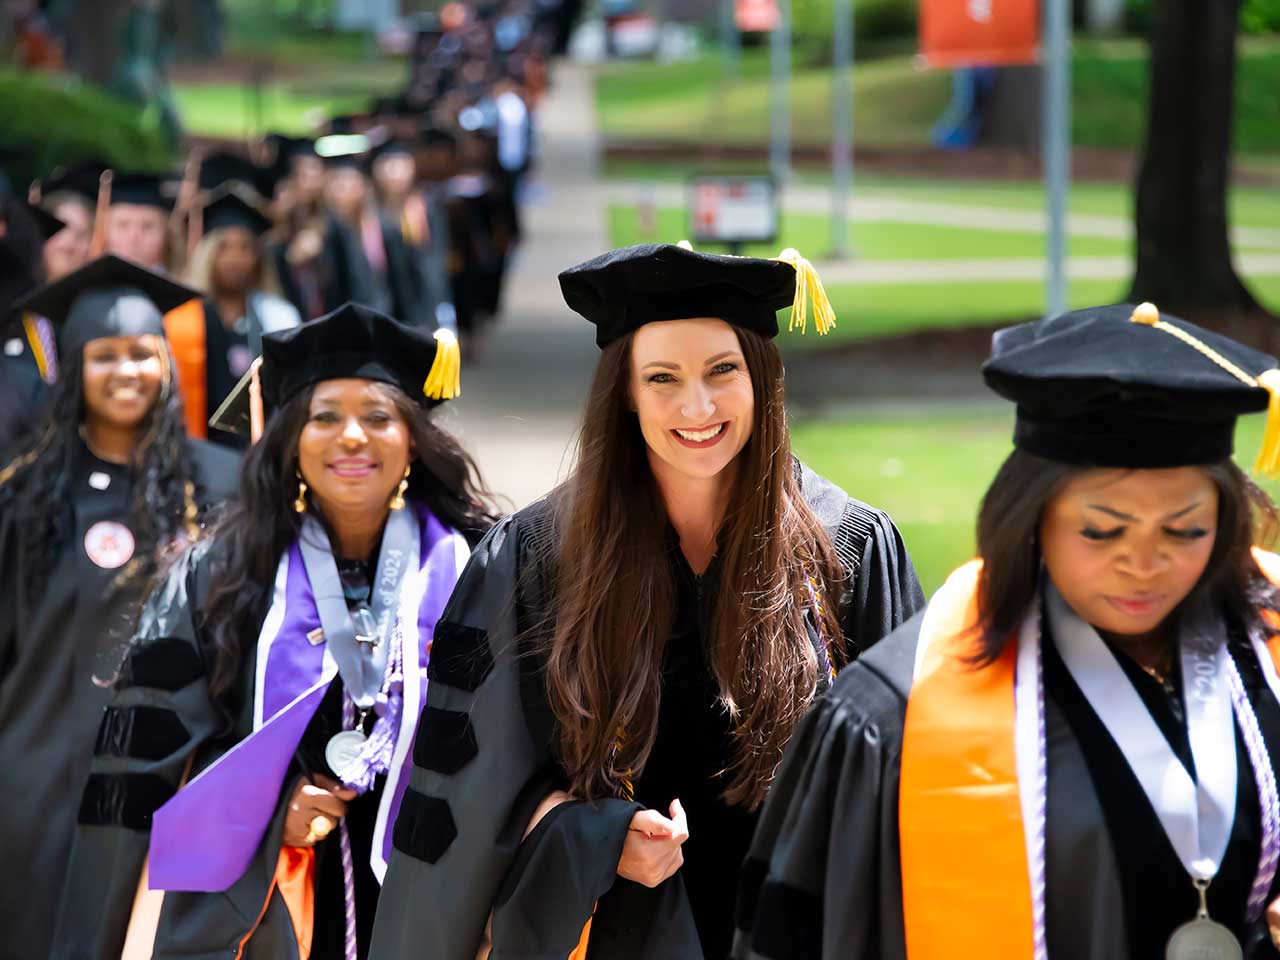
(280, 667)
(623, 661)
(1072, 751)
(107, 485)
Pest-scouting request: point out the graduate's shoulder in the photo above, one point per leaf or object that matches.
(849, 522)
(873, 690)
(217, 468)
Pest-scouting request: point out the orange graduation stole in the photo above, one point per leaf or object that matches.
(184, 329)
(966, 890)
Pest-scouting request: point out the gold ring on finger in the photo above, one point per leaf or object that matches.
(321, 826)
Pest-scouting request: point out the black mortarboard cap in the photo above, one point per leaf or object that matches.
(232, 207)
(222, 168)
(352, 341)
(145, 189)
(45, 222)
(107, 297)
(1126, 386)
(390, 148)
(624, 289)
(287, 147)
(81, 178)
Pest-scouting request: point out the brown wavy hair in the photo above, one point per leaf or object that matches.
(617, 595)
(1009, 544)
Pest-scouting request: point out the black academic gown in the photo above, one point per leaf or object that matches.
(823, 879)
(140, 769)
(58, 654)
(459, 854)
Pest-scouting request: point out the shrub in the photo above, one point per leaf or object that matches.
(50, 119)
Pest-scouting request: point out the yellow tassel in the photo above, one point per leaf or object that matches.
(37, 348)
(444, 381)
(808, 287)
(1268, 462)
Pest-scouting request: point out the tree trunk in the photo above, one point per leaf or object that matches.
(1183, 242)
(94, 41)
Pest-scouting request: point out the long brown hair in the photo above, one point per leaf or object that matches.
(1009, 544)
(617, 596)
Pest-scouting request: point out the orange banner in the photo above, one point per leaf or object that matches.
(979, 33)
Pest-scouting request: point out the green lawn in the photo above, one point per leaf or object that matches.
(811, 234)
(880, 309)
(929, 472)
(896, 104)
(228, 109)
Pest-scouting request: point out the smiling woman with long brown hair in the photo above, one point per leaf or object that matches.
(1071, 751)
(624, 661)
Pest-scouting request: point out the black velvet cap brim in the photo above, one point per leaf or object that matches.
(55, 300)
(1095, 388)
(228, 209)
(625, 289)
(144, 190)
(353, 341)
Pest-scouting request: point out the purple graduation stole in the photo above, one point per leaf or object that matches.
(204, 838)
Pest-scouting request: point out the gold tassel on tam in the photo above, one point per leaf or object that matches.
(1268, 462)
(444, 381)
(808, 287)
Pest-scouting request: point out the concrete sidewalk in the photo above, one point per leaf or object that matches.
(522, 396)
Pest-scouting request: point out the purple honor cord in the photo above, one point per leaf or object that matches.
(344, 842)
(1259, 760)
(374, 759)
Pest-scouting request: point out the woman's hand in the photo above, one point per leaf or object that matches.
(314, 810)
(1273, 923)
(651, 853)
(304, 247)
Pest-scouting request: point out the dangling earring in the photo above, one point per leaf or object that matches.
(300, 504)
(397, 501)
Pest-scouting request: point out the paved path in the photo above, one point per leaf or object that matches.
(803, 198)
(522, 397)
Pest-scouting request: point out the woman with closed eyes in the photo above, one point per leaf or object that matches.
(1070, 752)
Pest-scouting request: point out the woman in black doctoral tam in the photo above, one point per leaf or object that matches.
(622, 662)
(1071, 752)
(109, 484)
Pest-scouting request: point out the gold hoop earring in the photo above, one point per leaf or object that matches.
(300, 503)
(397, 501)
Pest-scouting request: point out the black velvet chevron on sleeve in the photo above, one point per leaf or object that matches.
(460, 656)
(166, 663)
(425, 828)
(445, 741)
(145, 733)
(123, 799)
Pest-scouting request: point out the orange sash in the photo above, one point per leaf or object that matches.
(965, 885)
(295, 879)
(184, 329)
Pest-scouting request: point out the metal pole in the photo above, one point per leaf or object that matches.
(780, 93)
(1057, 148)
(730, 41)
(841, 127)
